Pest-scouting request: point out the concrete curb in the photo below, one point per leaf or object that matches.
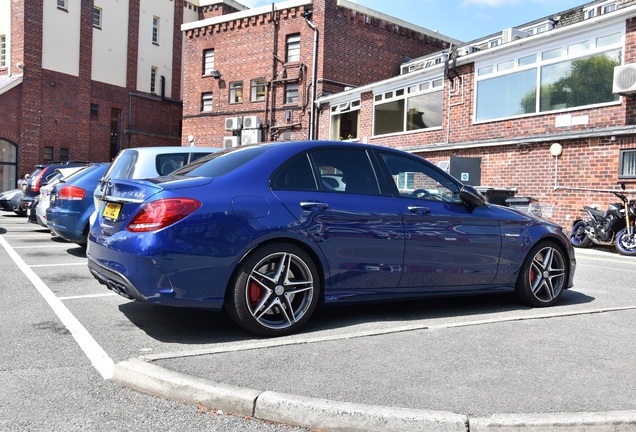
(327, 415)
(610, 421)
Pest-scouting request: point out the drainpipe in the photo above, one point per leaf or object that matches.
(269, 99)
(312, 134)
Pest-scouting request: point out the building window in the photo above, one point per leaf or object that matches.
(3, 51)
(291, 93)
(556, 78)
(206, 102)
(627, 164)
(293, 48)
(208, 61)
(153, 79)
(94, 110)
(64, 155)
(97, 17)
(62, 4)
(155, 30)
(236, 92)
(48, 154)
(600, 9)
(257, 90)
(345, 120)
(418, 106)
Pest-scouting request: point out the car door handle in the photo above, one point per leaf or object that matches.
(418, 209)
(315, 205)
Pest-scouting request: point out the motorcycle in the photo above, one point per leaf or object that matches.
(613, 227)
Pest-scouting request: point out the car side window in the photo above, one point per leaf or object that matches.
(415, 179)
(295, 175)
(345, 170)
(167, 163)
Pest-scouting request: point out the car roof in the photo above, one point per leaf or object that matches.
(170, 149)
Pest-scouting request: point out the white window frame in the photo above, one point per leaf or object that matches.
(206, 101)
(236, 93)
(155, 29)
(255, 85)
(97, 17)
(426, 86)
(558, 52)
(208, 61)
(289, 89)
(154, 71)
(3, 50)
(343, 108)
(62, 4)
(292, 48)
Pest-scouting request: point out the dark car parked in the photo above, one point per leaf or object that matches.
(10, 201)
(72, 204)
(39, 177)
(257, 231)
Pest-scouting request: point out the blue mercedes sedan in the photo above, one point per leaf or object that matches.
(260, 232)
(71, 204)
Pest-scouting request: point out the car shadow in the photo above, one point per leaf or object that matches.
(200, 327)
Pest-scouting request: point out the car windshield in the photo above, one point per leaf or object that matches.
(220, 163)
(123, 166)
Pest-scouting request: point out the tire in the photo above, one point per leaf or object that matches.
(626, 244)
(543, 276)
(275, 290)
(579, 238)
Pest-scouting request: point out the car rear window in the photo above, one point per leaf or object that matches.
(220, 163)
(123, 166)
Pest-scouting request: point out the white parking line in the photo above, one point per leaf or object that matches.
(83, 263)
(44, 246)
(95, 353)
(109, 294)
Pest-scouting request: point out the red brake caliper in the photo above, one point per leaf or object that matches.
(255, 293)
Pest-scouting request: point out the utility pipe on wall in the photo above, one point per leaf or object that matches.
(314, 71)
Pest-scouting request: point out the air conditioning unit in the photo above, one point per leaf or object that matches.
(512, 34)
(230, 141)
(624, 81)
(232, 123)
(465, 50)
(251, 122)
(250, 136)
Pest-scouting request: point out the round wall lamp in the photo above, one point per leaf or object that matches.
(556, 149)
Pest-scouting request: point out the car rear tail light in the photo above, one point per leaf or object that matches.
(73, 193)
(35, 182)
(159, 214)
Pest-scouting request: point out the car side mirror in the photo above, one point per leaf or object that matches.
(472, 196)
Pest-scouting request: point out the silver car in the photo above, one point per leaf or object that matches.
(148, 162)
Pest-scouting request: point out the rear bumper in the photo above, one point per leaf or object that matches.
(161, 278)
(114, 281)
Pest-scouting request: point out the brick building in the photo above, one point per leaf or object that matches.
(81, 79)
(545, 108)
(251, 74)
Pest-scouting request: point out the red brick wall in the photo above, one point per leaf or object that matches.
(357, 53)
(51, 109)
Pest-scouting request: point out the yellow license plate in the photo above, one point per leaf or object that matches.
(53, 197)
(111, 210)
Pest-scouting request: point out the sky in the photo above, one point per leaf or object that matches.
(465, 20)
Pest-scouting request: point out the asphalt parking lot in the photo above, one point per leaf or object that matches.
(486, 360)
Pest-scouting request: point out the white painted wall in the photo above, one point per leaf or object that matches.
(150, 54)
(189, 15)
(110, 43)
(61, 37)
(5, 27)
